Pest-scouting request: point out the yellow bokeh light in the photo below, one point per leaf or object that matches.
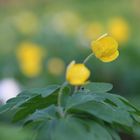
(30, 58)
(56, 66)
(119, 29)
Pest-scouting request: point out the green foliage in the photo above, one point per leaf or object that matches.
(89, 113)
(12, 133)
(98, 87)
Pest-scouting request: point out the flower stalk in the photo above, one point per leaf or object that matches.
(87, 58)
(60, 93)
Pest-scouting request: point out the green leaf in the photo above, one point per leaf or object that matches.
(12, 103)
(73, 129)
(112, 99)
(108, 107)
(105, 112)
(44, 92)
(80, 98)
(26, 96)
(43, 114)
(98, 87)
(114, 134)
(115, 100)
(127, 103)
(37, 102)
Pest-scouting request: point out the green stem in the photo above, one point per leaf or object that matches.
(60, 93)
(76, 88)
(87, 58)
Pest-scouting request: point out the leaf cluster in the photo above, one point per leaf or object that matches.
(90, 113)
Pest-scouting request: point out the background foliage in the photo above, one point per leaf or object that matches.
(62, 30)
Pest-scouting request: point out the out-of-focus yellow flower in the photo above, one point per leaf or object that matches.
(56, 66)
(77, 74)
(93, 30)
(105, 48)
(66, 22)
(30, 58)
(119, 29)
(26, 23)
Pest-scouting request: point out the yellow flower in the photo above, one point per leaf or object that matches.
(105, 48)
(77, 74)
(56, 66)
(119, 29)
(30, 58)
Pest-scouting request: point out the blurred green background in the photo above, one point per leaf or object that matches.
(38, 39)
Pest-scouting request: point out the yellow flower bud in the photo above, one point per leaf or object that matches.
(105, 48)
(77, 74)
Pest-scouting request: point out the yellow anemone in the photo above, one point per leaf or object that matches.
(77, 74)
(105, 48)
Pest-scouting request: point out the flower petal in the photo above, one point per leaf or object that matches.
(110, 58)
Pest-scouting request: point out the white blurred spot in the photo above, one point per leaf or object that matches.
(8, 88)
